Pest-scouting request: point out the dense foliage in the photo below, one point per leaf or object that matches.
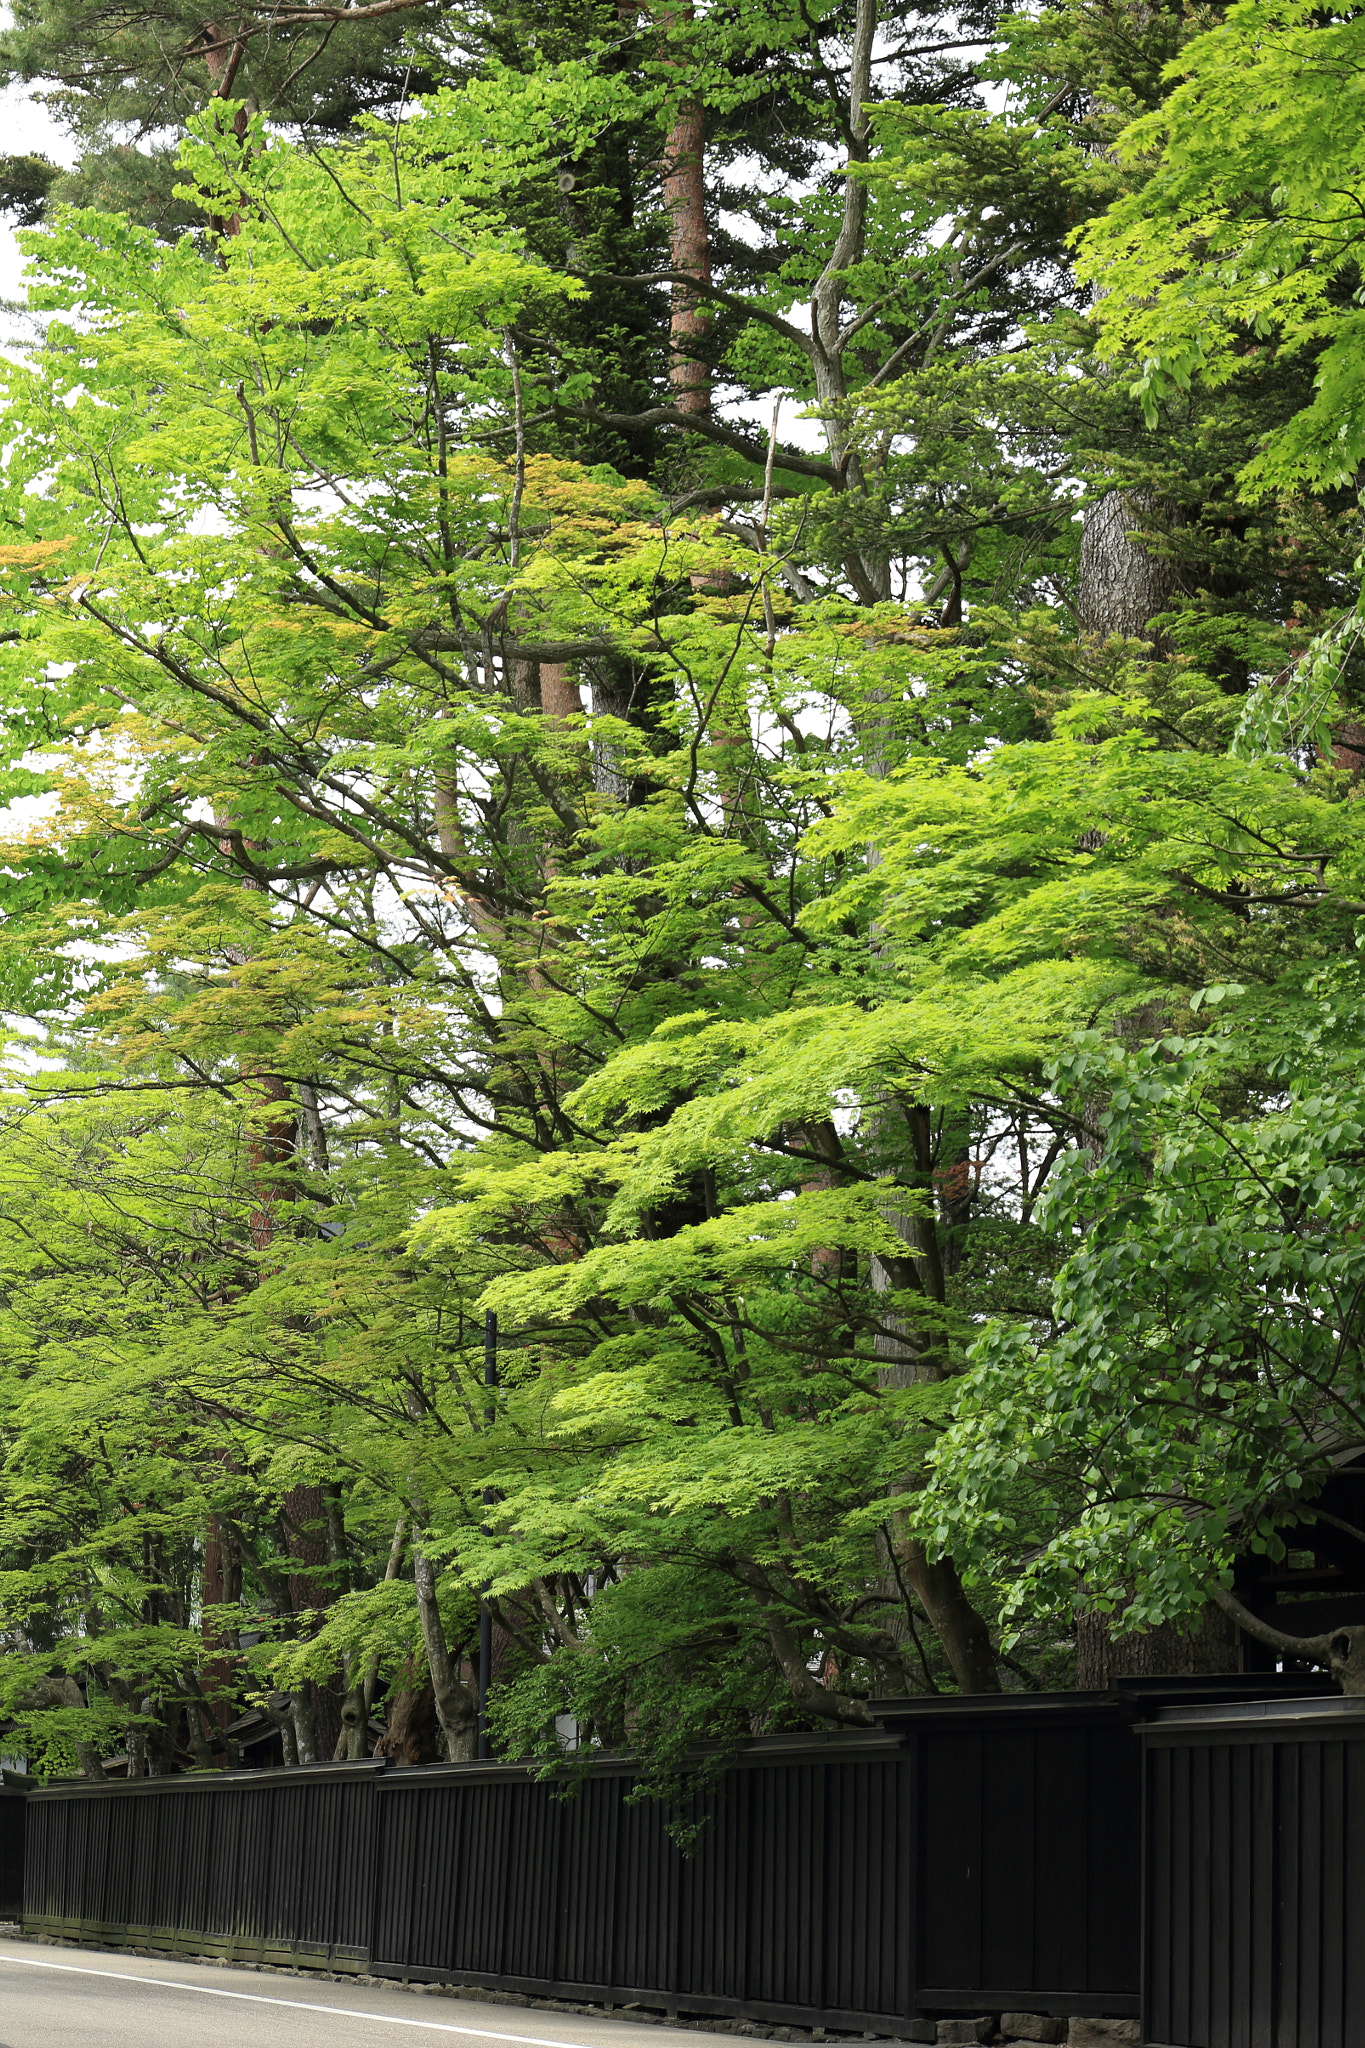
(840, 937)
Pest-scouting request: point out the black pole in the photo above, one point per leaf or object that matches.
(490, 1380)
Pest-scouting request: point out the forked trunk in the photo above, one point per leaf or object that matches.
(457, 1708)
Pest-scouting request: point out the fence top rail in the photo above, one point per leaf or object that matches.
(871, 1745)
(1296, 1720)
(761, 1751)
(362, 1771)
(972, 1711)
(1127, 1700)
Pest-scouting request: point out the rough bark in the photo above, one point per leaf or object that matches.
(559, 696)
(221, 1585)
(315, 1712)
(412, 1732)
(161, 1738)
(135, 1742)
(198, 1719)
(270, 1153)
(1123, 587)
(1348, 746)
(1209, 1646)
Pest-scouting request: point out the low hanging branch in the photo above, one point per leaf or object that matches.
(1341, 1650)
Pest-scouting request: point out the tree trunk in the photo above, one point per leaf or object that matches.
(221, 1585)
(908, 1357)
(1209, 1646)
(353, 1740)
(1348, 746)
(559, 695)
(161, 1739)
(912, 1357)
(689, 244)
(289, 1752)
(961, 1630)
(315, 1712)
(1123, 587)
(303, 1721)
(621, 690)
(457, 1708)
(270, 1152)
(868, 571)
(1341, 1650)
(412, 1733)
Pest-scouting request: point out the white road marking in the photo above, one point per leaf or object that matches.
(387, 2019)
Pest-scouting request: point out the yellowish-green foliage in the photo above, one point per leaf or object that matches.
(1243, 230)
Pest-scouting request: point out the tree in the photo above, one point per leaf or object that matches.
(216, 384)
(124, 81)
(589, 859)
(121, 1227)
(1240, 234)
(1205, 1365)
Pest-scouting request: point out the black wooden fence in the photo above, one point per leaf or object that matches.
(13, 1816)
(274, 1866)
(983, 1852)
(1255, 1909)
(976, 1855)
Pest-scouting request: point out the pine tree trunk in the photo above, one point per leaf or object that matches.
(316, 1712)
(689, 250)
(559, 694)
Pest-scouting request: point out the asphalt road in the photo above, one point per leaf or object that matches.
(83, 1998)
